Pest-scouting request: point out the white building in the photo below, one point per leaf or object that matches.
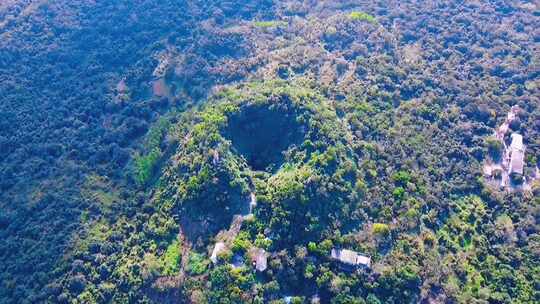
(220, 247)
(351, 258)
(517, 154)
(259, 258)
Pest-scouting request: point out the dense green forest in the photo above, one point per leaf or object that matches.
(296, 151)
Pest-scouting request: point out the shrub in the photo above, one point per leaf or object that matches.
(399, 193)
(325, 247)
(312, 247)
(241, 243)
(361, 16)
(494, 147)
(402, 177)
(77, 283)
(225, 256)
(196, 265)
(535, 186)
(150, 267)
(360, 186)
(267, 24)
(262, 242)
(145, 165)
(381, 229)
(157, 133)
(171, 259)
(372, 299)
(322, 249)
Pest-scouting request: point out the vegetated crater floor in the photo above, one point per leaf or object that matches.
(261, 133)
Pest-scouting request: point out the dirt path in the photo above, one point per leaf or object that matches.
(185, 249)
(236, 225)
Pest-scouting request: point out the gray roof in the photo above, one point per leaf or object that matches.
(516, 163)
(350, 257)
(517, 154)
(517, 142)
(261, 259)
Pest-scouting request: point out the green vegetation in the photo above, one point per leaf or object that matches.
(157, 133)
(145, 166)
(196, 264)
(268, 24)
(361, 16)
(399, 193)
(381, 229)
(402, 177)
(350, 136)
(171, 259)
(151, 267)
(494, 147)
(241, 243)
(313, 186)
(230, 284)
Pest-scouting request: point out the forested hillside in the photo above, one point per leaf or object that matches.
(269, 151)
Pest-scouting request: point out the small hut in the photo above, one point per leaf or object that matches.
(259, 258)
(517, 154)
(350, 258)
(218, 248)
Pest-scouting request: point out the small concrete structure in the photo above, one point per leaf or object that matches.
(350, 258)
(259, 258)
(517, 154)
(252, 202)
(218, 248)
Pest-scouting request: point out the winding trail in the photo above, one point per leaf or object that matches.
(184, 257)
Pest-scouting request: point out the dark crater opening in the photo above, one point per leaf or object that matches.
(261, 133)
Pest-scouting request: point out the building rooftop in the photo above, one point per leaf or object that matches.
(217, 250)
(517, 162)
(517, 154)
(260, 259)
(517, 142)
(350, 257)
